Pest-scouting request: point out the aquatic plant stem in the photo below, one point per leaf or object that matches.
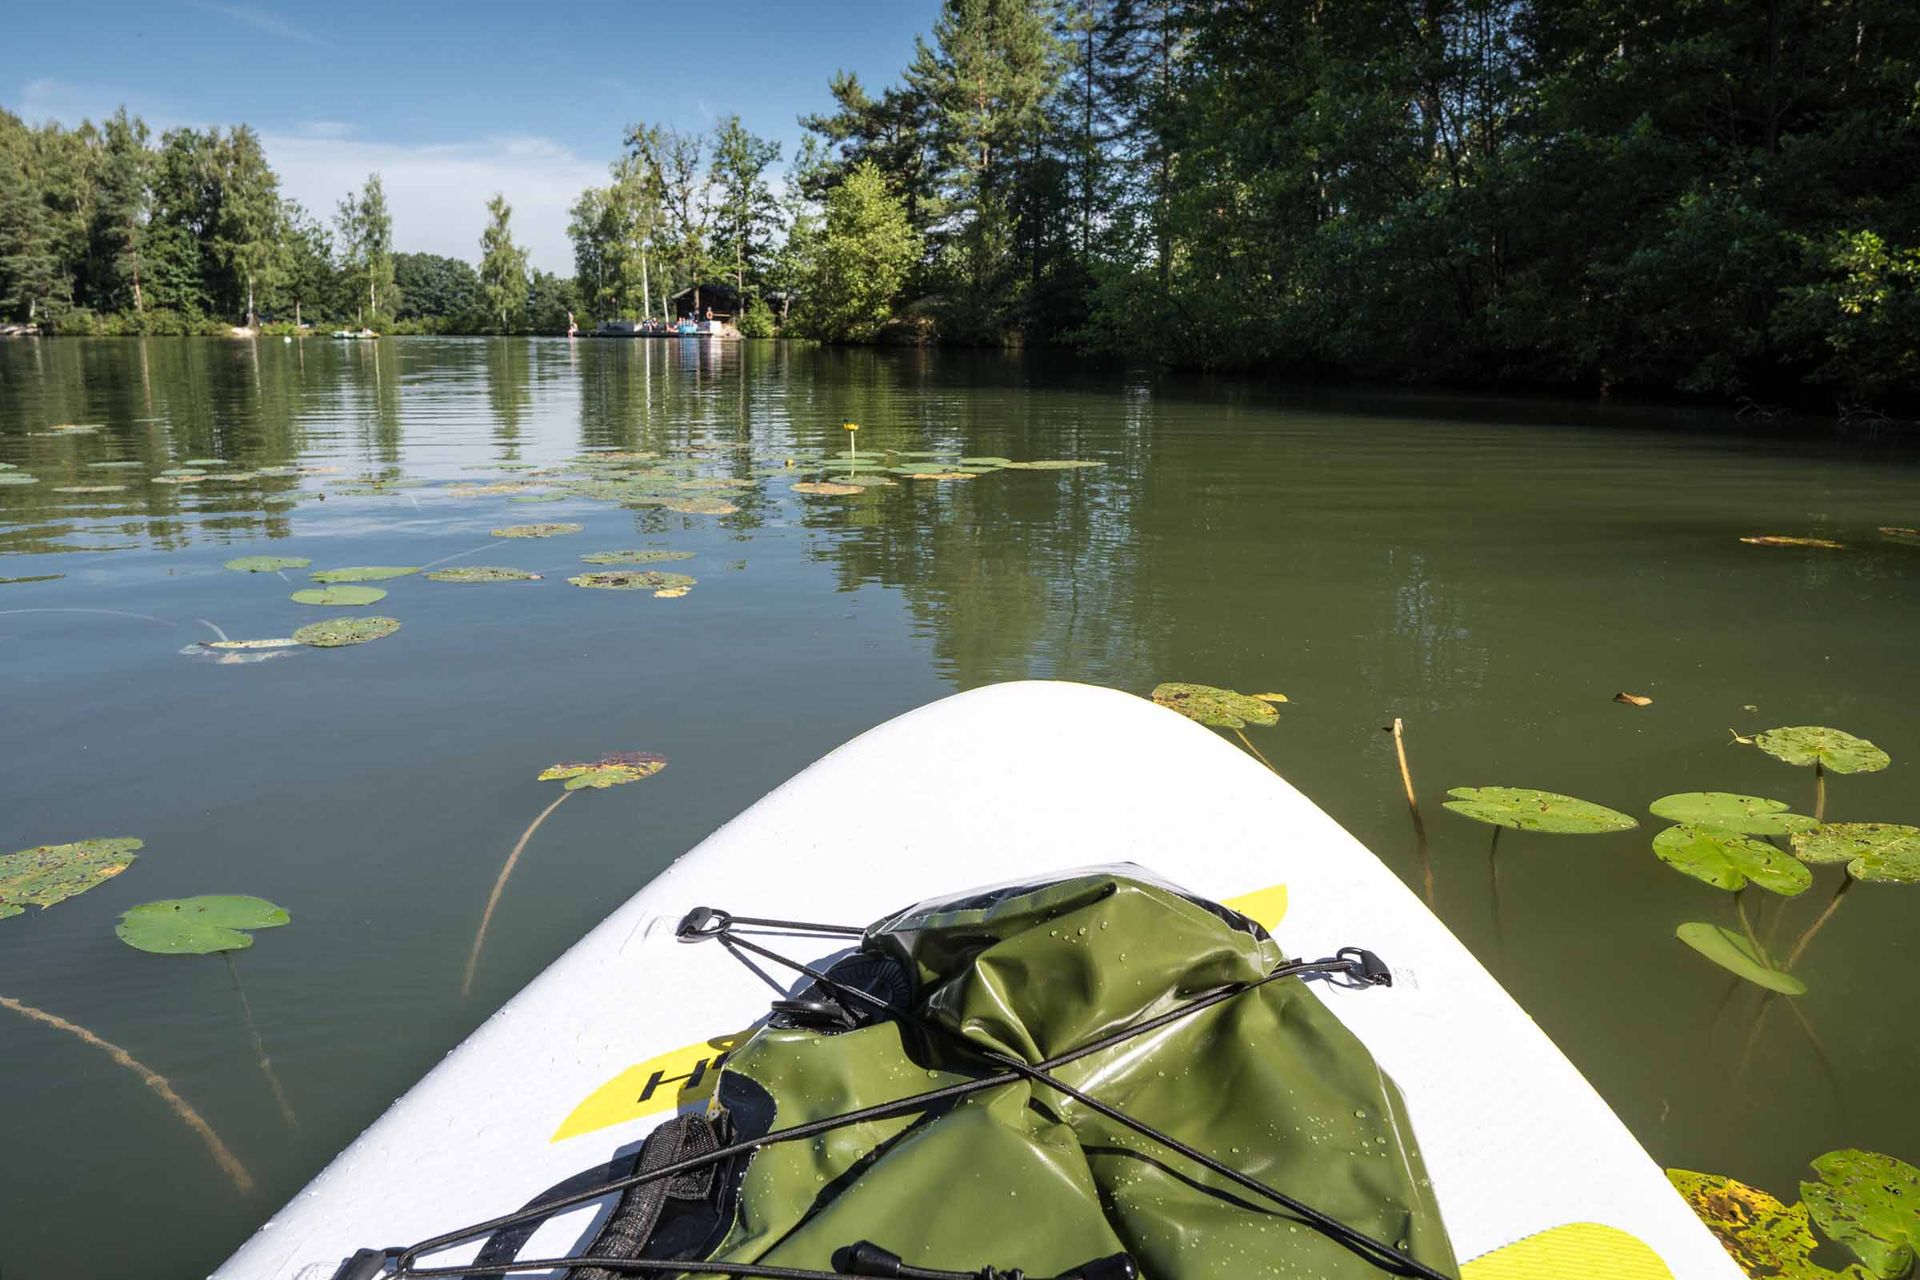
(260, 1045)
(1248, 744)
(1819, 792)
(493, 899)
(1746, 925)
(1820, 1053)
(1804, 940)
(222, 1155)
(1413, 807)
(1753, 1035)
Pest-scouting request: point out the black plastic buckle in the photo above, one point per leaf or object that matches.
(702, 923)
(1366, 967)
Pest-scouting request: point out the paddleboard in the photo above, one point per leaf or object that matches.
(1536, 1178)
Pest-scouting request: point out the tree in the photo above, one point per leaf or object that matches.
(503, 265)
(366, 251)
(248, 234)
(306, 279)
(745, 213)
(852, 269)
(437, 288)
(121, 211)
(673, 165)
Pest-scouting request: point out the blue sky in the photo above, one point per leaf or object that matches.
(450, 102)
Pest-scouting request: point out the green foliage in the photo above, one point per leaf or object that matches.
(1834, 749)
(1728, 860)
(1727, 811)
(852, 271)
(1887, 852)
(756, 320)
(438, 288)
(1740, 956)
(52, 873)
(198, 926)
(613, 770)
(1764, 1236)
(1871, 1204)
(1524, 809)
(335, 633)
(503, 267)
(1214, 707)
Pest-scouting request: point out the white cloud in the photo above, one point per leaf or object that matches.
(260, 20)
(328, 129)
(438, 193)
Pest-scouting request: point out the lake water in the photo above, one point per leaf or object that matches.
(1494, 572)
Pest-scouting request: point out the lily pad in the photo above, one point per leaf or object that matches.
(335, 632)
(17, 478)
(827, 488)
(1524, 809)
(610, 770)
(1730, 949)
(1838, 751)
(1727, 811)
(203, 462)
(50, 873)
(1884, 852)
(1728, 860)
(1213, 707)
(1052, 464)
(285, 643)
(1871, 1204)
(645, 556)
(1782, 540)
(267, 564)
(198, 926)
(660, 583)
(987, 462)
(938, 475)
(365, 573)
(89, 488)
(537, 530)
(339, 595)
(481, 573)
(700, 507)
(1765, 1237)
(538, 497)
(124, 464)
(1900, 534)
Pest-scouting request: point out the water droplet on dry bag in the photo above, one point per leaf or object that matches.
(1360, 1115)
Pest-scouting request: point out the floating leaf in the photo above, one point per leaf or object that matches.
(1781, 540)
(1904, 536)
(1277, 699)
(1213, 707)
(33, 577)
(536, 530)
(1885, 852)
(636, 557)
(89, 488)
(1871, 1204)
(538, 497)
(1815, 744)
(334, 632)
(198, 926)
(365, 573)
(986, 462)
(1728, 860)
(17, 478)
(939, 475)
(127, 464)
(827, 489)
(714, 482)
(1726, 811)
(1633, 699)
(203, 462)
(653, 580)
(481, 573)
(267, 564)
(50, 873)
(1524, 809)
(1730, 949)
(1052, 464)
(486, 490)
(287, 643)
(1740, 739)
(608, 771)
(339, 595)
(701, 507)
(1765, 1237)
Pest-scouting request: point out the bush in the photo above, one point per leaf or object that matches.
(77, 323)
(756, 321)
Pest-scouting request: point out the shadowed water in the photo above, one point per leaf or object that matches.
(1492, 572)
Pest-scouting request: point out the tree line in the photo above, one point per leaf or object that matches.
(106, 229)
(1580, 195)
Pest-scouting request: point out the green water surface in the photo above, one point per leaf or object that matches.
(1492, 572)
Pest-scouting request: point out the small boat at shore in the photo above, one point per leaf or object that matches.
(1236, 1046)
(358, 334)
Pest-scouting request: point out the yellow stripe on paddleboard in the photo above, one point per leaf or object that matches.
(681, 1077)
(1577, 1251)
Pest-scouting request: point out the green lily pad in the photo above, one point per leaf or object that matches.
(198, 926)
(89, 488)
(124, 464)
(828, 488)
(1524, 809)
(335, 632)
(50, 873)
(990, 462)
(339, 595)
(1871, 1204)
(281, 643)
(636, 557)
(1730, 949)
(537, 530)
(203, 462)
(1765, 1237)
(537, 497)
(1815, 744)
(1052, 464)
(1728, 860)
(700, 507)
(267, 564)
(11, 466)
(17, 478)
(1885, 852)
(364, 573)
(666, 585)
(481, 573)
(1213, 707)
(1727, 811)
(610, 770)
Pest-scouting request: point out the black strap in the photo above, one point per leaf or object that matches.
(637, 1213)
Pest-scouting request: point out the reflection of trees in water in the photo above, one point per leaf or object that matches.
(508, 391)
